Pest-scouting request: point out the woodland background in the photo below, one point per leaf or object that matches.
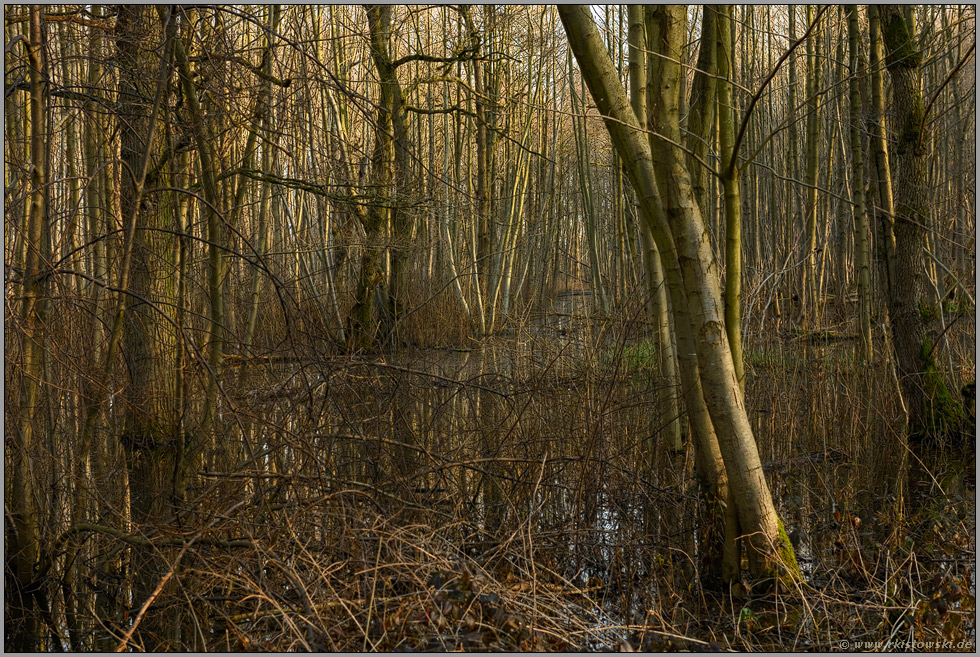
(342, 327)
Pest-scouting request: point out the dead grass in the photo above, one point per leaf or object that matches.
(503, 497)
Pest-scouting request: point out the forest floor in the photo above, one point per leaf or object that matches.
(512, 495)
(515, 494)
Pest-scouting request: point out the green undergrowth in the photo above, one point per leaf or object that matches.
(943, 417)
(640, 356)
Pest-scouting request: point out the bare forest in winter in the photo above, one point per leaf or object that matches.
(489, 327)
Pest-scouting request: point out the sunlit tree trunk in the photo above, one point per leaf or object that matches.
(658, 281)
(265, 190)
(483, 227)
(809, 296)
(683, 224)
(861, 246)
(701, 118)
(730, 175)
(22, 551)
(665, 31)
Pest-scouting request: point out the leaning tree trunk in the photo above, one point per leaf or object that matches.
(719, 531)
(770, 551)
(933, 412)
(652, 265)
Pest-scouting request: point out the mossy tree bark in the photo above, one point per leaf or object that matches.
(152, 442)
(732, 192)
(388, 211)
(642, 90)
(682, 235)
(701, 117)
(934, 414)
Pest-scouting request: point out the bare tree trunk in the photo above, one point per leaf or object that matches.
(793, 157)
(217, 236)
(810, 294)
(150, 435)
(685, 231)
(23, 551)
(933, 412)
(885, 207)
(265, 193)
(701, 118)
(733, 197)
(861, 246)
(484, 148)
(658, 281)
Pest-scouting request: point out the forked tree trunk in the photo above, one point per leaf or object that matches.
(665, 34)
(732, 191)
(770, 553)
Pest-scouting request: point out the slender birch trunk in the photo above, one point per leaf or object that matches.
(861, 247)
(810, 294)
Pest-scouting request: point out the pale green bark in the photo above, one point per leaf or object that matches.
(701, 118)
(666, 34)
(657, 282)
(732, 191)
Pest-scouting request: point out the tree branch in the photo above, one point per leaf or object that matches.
(758, 94)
